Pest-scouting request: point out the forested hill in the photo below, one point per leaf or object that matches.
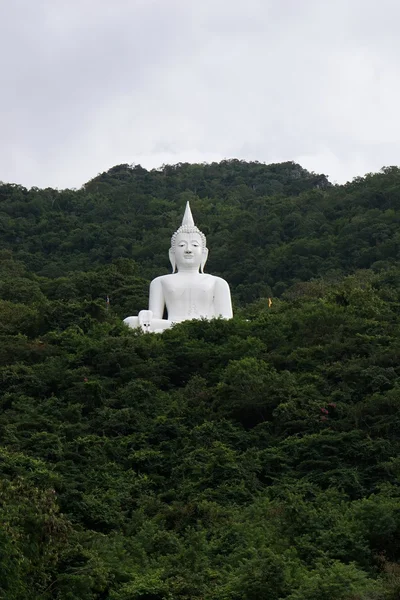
(256, 458)
(268, 226)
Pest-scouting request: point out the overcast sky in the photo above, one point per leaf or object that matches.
(88, 84)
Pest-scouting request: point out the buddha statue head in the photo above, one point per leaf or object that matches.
(188, 250)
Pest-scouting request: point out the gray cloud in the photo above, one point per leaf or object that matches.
(88, 84)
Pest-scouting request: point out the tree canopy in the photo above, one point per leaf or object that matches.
(256, 458)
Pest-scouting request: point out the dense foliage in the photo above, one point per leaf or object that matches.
(249, 459)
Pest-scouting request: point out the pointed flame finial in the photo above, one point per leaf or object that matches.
(187, 220)
(188, 226)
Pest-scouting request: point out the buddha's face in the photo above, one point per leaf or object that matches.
(188, 251)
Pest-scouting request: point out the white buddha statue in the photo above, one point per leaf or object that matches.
(187, 293)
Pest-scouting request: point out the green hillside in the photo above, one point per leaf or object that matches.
(256, 458)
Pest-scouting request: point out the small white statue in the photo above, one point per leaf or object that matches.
(188, 293)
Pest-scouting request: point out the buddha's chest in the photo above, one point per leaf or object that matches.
(197, 293)
(202, 287)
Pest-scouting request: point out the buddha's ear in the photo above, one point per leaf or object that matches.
(172, 260)
(204, 259)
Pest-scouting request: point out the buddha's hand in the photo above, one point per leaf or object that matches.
(145, 319)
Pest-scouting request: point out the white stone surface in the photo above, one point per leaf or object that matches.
(187, 293)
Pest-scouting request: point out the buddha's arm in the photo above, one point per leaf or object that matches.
(222, 299)
(156, 298)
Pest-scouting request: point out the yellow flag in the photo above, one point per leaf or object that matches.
(269, 302)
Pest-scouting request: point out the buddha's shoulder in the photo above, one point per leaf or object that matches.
(219, 280)
(161, 278)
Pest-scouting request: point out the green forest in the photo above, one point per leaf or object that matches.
(250, 459)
